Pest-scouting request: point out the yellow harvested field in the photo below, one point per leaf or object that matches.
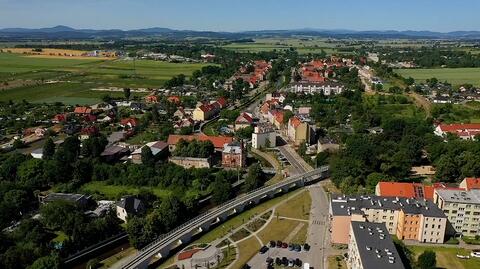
(58, 53)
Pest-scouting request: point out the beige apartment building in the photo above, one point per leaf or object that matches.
(462, 209)
(370, 246)
(418, 220)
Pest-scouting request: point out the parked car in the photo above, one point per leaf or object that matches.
(475, 253)
(263, 250)
(290, 246)
(279, 244)
(269, 260)
(246, 266)
(272, 244)
(285, 261)
(298, 247)
(284, 245)
(278, 261)
(306, 247)
(298, 262)
(290, 263)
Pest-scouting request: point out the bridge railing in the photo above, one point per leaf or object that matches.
(226, 205)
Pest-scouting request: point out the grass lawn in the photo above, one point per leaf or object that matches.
(298, 207)
(61, 236)
(248, 249)
(113, 192)
(336, 262)
(446, 257)
(108, 262)
(240, 219)
(455, 76)
(458, 113)
(301, 236)
(277, 229)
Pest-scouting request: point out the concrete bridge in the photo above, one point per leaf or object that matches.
(202, 223)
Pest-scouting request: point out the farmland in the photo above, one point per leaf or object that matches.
(455, 76)
(78, 76)
(269, 44)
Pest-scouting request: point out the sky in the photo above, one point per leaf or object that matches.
(241, 15)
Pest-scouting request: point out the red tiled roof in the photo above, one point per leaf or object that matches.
(279, 116)
(222, 101)
(459, 127)
(174, 99)
(82, 110)
(472, 183)
(295, 122)
(133, 121)
(217, 141)
(205, 108)
(244, 117)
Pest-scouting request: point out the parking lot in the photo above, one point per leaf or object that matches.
(259, 261)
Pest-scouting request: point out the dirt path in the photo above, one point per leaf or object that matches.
(422, 102)
(294, 232)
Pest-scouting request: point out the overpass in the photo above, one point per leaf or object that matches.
(202, 223)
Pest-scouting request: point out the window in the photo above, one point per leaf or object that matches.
(468, 206)
(446, 211)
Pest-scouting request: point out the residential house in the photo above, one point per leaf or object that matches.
(298, 131)
(128, 207)
(129, 123)
(59, 118)
(244, 120)
(466, 131)
(264, 136)
(470, 183)
(326, 144)
(88, 132)
(82, 110)
(114, 153)
(152, 99)
(158, 148)
(234, 155)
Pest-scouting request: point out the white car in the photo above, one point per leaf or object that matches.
(475, 253)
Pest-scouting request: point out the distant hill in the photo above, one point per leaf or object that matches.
(65, 32)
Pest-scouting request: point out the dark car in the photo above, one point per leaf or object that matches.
(270, 266)
(298, 248)
(272, 244)
(264, 249)
(246, 266)
(298, 262)
(306, 247)
(279, 244)
(290, 246)
(278, 261)
(285, 261)
(269, 260)
(284, 245)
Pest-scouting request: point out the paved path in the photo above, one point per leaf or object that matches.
(318, 234)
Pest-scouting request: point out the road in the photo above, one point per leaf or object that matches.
(318, 234)
(184, 232)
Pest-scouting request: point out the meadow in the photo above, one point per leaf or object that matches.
(455, 76)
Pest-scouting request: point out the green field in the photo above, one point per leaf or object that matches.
(114, 192)
(455, 76)
(446, 257)
(304, 46)
(79, 76)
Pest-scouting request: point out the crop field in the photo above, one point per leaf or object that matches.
(79, 76)
(303, 46)
(455, 76)
(68, 93)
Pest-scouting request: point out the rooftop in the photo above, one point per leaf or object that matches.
(460, 196)
(347, 205)
(375, 246)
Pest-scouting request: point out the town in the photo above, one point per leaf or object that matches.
(190, 149)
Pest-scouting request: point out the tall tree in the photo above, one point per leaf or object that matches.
(48, 149)
(427, 260)
(147, 156)
(127, 93)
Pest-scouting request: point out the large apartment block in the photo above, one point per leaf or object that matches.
(462, 209)
(419, 220)
(370, 246)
